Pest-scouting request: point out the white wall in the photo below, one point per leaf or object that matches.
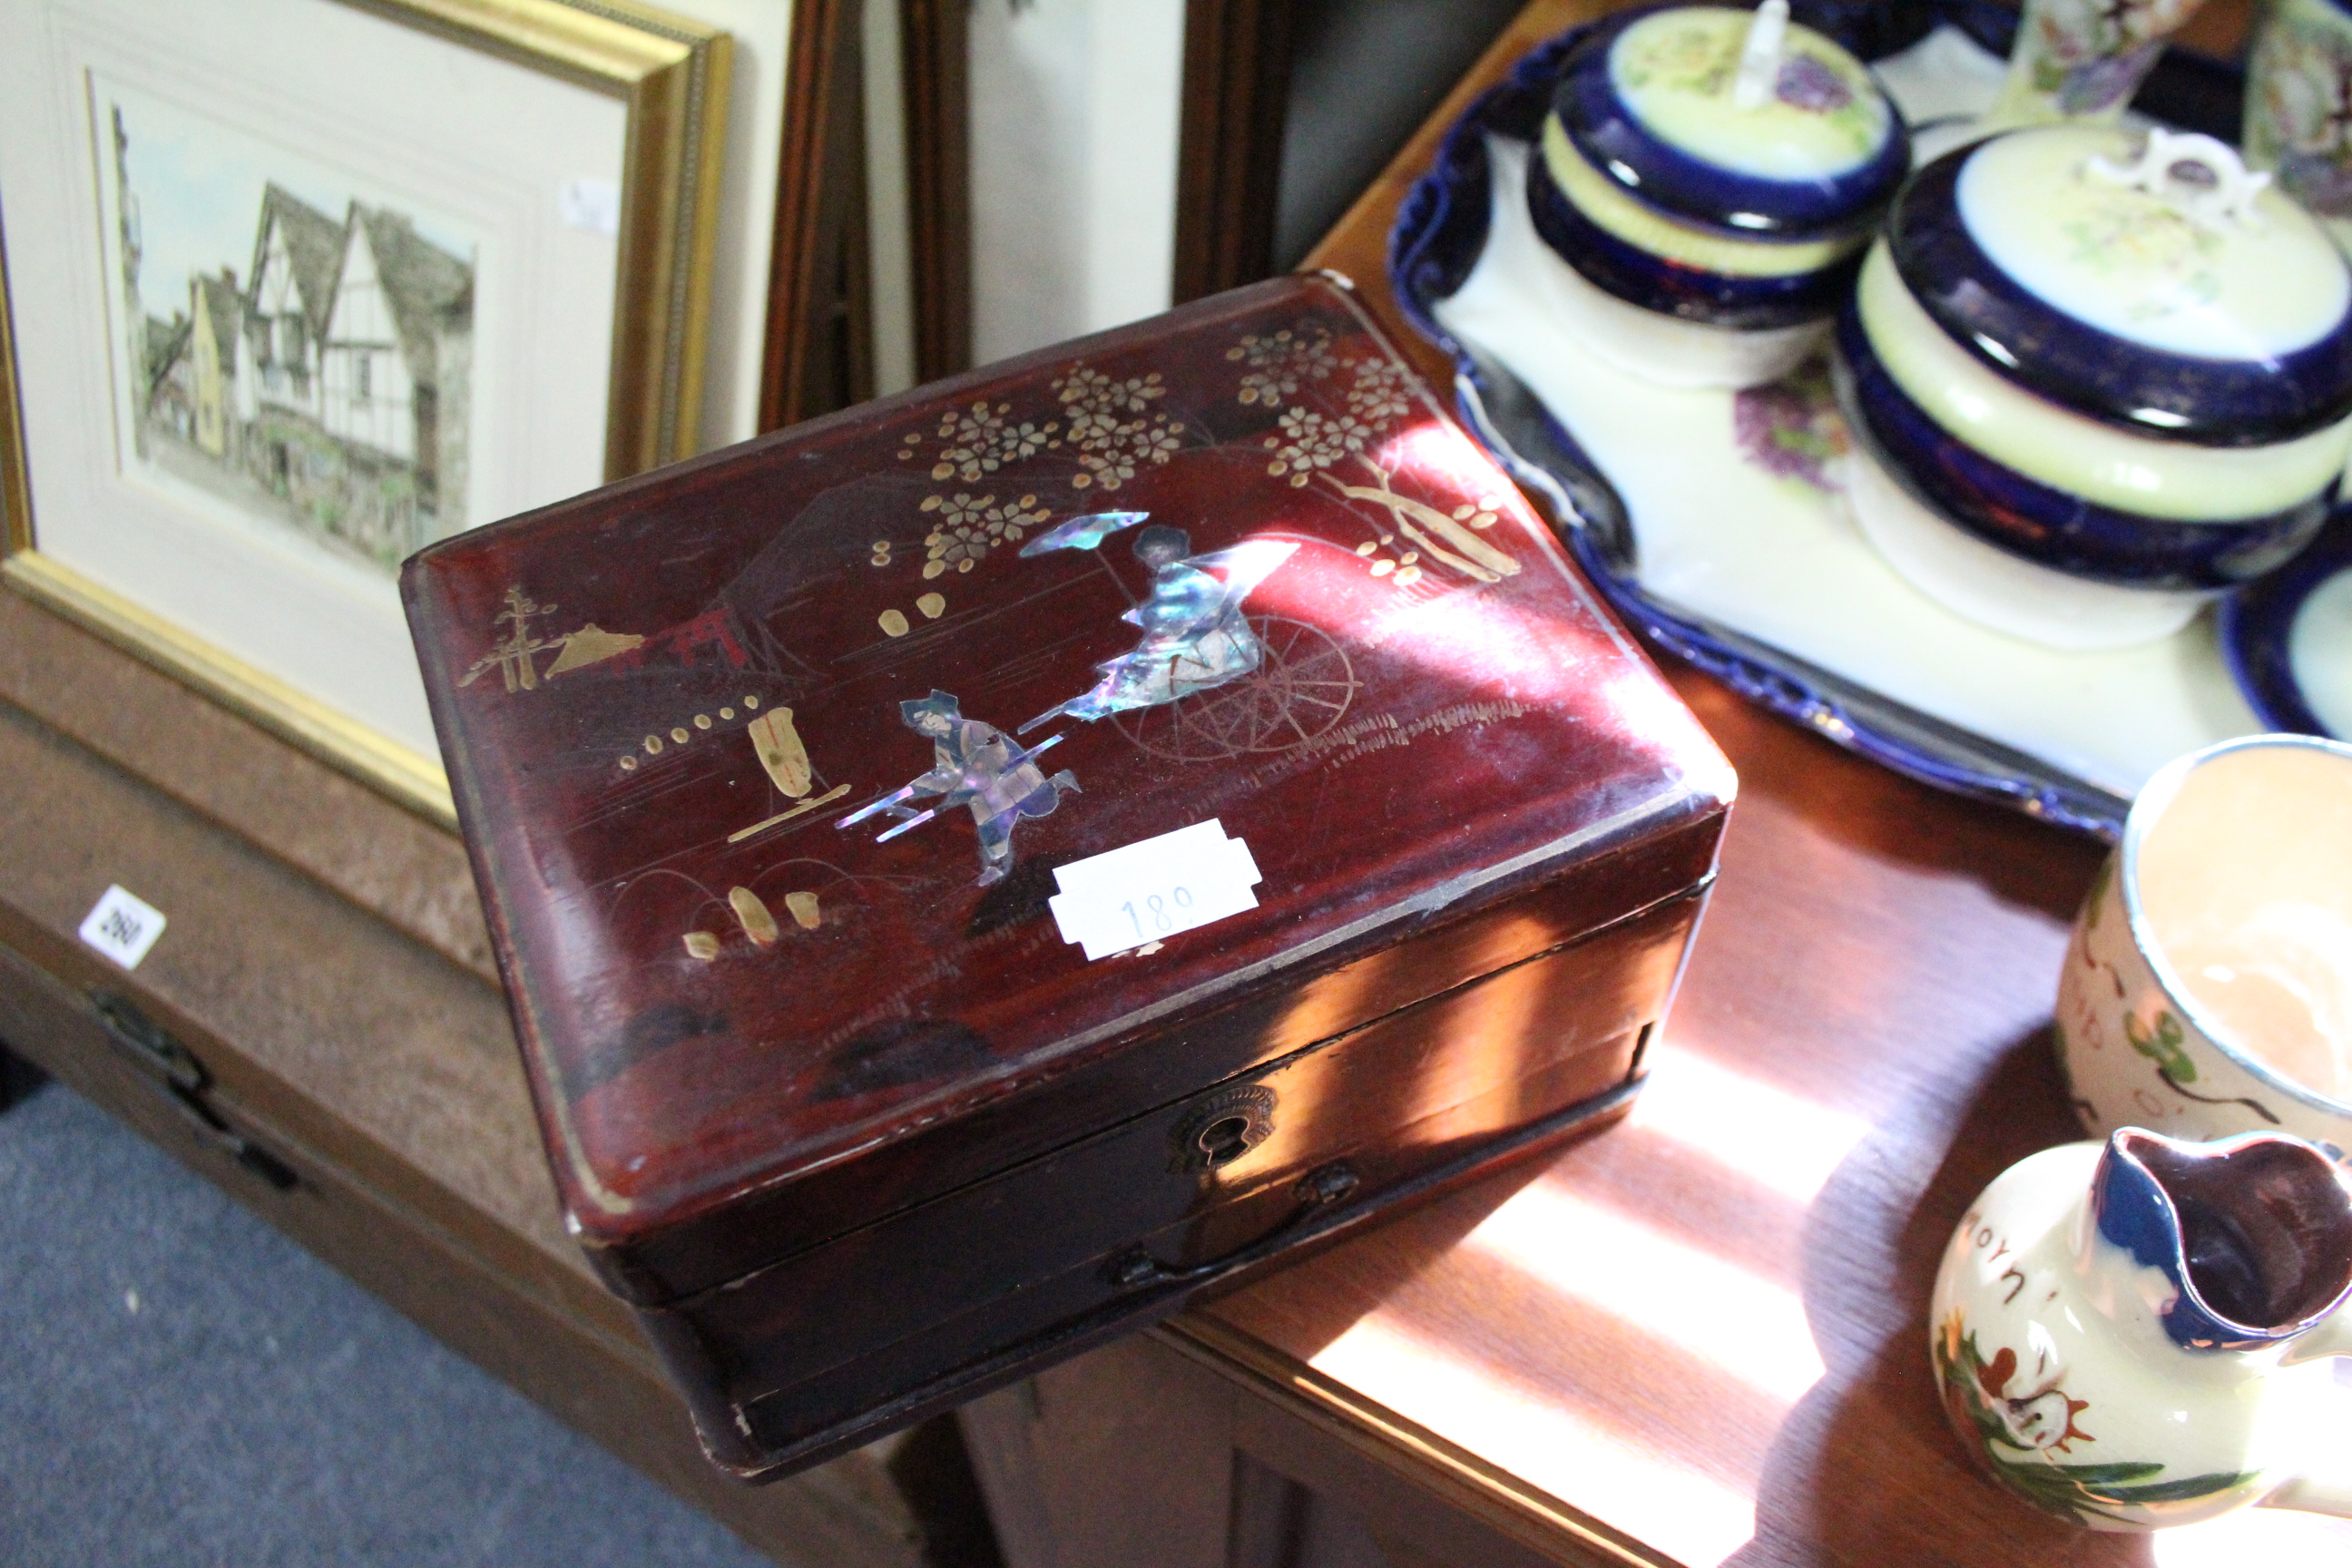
(1073, 128)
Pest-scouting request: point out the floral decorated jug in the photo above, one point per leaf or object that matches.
(2132, 1335)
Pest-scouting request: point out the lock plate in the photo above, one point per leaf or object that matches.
(1222, 1128)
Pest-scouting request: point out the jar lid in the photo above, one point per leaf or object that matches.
(2153, 283)
(1805, 145)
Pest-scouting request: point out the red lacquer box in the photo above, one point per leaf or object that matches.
(821, 792)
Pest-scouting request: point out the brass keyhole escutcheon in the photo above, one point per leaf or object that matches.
(1223, 1127)
(1224, 1139)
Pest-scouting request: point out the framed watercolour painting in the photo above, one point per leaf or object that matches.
(295, 287)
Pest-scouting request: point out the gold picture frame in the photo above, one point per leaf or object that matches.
(671, 76)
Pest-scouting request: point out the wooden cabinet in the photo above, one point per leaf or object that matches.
(1699, 1336)
(319, 1032)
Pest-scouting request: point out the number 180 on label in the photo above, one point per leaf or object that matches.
(1163, 912)
(1152, 889)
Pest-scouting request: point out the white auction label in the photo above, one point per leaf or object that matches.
(591, 206)
(122, 926)
(1150, 890)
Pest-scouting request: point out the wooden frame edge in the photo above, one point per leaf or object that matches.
(820, 188)
(15, 478)
(820, 259)
(670, 193)
(1237, 59)
(1503, 1502)
(937, 43)
(597, 44)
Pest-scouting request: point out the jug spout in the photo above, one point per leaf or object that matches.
(2249, 1240)
(2332, 1337)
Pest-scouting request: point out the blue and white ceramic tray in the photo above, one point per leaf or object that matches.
(1713, 520)
(2289, 639)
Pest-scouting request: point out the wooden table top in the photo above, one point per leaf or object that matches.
(1701, 1336)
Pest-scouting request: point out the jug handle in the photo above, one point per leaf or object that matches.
(2326, 1488)
(2321, 1490)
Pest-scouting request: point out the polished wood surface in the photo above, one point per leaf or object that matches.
(703, 1073)
(1449, 769)
(966, 1291)
(1701, 1337)
(1142, 1456)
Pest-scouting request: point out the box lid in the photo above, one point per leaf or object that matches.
(768, 762)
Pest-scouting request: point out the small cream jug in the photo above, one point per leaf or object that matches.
(2132, 1335)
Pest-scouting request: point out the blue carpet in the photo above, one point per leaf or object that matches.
(180, 1385)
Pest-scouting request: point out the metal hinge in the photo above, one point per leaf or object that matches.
(187, 1083)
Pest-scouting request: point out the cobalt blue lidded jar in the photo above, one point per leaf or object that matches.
(1709, 177)
(2096, 379)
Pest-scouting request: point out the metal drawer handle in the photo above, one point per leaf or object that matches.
(1326, 1184)
(1316, 1191)
(187, 1084)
